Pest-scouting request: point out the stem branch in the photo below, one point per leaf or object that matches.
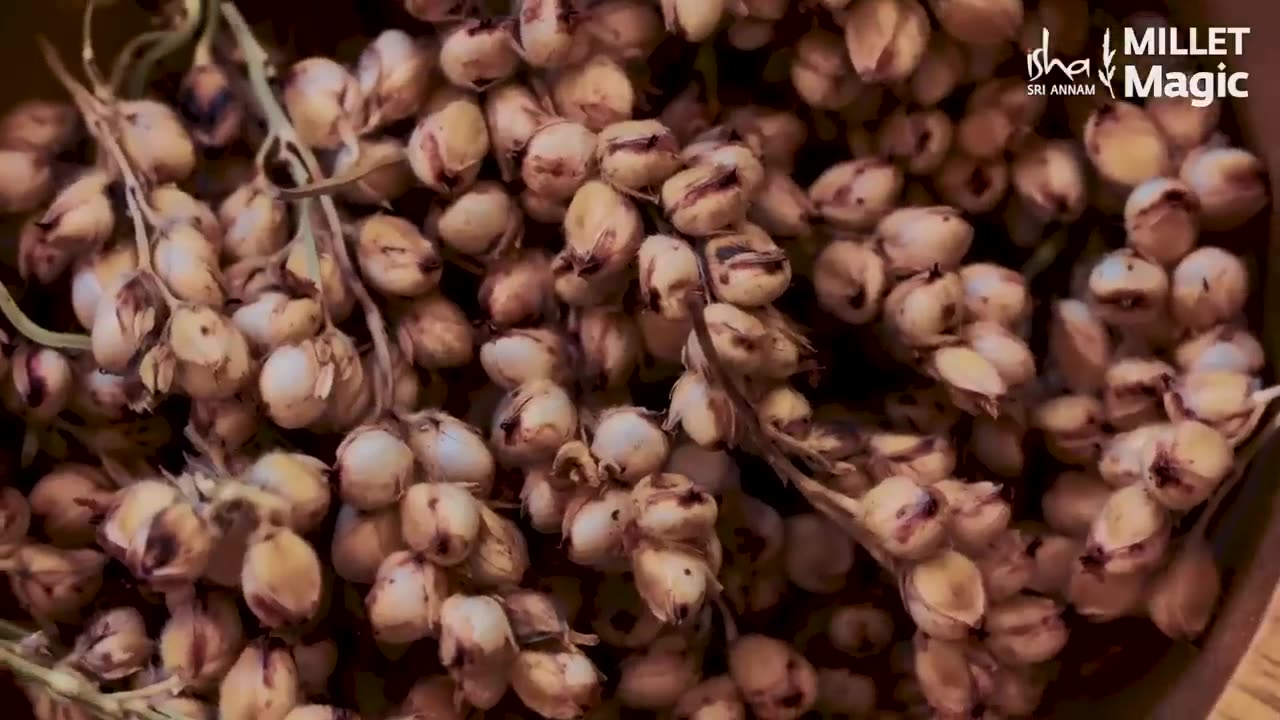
(256, 60)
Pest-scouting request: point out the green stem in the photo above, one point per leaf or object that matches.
(167, 44)
(204, 46)
(33, 332)
(71, 686)
(305, 172)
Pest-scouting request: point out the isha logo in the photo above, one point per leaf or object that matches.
(1077, 73)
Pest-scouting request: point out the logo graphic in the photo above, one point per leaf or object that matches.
(1048, 75)
(1108, 69)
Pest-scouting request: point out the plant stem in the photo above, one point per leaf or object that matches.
(256, 59)
(33, 332)
(70, 686)
(166, 44)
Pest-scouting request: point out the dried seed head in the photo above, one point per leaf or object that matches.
(628, 443)
(374, 467)
(1006, 564)
(603, 231)
(281, 578)
(559, 685)
(300, 480)
(944, 676)
(781, 206)
(392, 73)
(1183, 596)
(668, 507)
(785, 411)
(478, 647)
(532, 422)
(517, 289)
(43, 127)
(54, 585)
(669, 272)
(1132, 392)
(860, 630)
(483, 221)
(261, 685)
(435, 332)
(1127, 290)
(1121, 462)
(850, 280)
(625, 29)
(975, 186)
(544, 32)
(1184, 465)
(209, 105)
(500, 557)
(544, 504)
(674, 582)
(526, 354)
(1079, 345)
(1053, 557)
(919, 140)
(979, 22)
(477, 54)
(778, 134)
(131, 512)
(275, 319)
(451, 451)
(886, 39)
(747, 268)
(153, 137)
(818, 554)
(856, 194)
(26, 180)
(236, 510)
(705, 199)
(1073, 501)
(395, 258)
(441, 521)
(939, 73)
(694, 21)
(945, 595)
(560, 156)
(172, 549)
(1130, 534)
(1072, 425)
(433, 696)
(187, 263)
(362, 540)
(654, 678)
(201, 639)
(609, 347)
(918, 239)
(113, 644)
(40, 383)
(715, 698)
(1004, 349)
(255, 222)
(972, 382)
(391, 178)
(67, 499)
(775, 680)
(925, 306)
(594, 524)
(702, 410)
(213, 356)
(1229, 183)
(738, 338)
(925, 459)
(821, 73)
(637, 155)
(596, 93)
(1208, 287)
(406, 599)
(1225, 347)
(77, 222)
(907, 519)
(97, 277)
(325, 102)
(749, 33)
(448, 145)
(513, 114)
(1125, 145)
(1049, 179)
(1103, 596)
(1161, 220)
(1183, 123)
(977, 513)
